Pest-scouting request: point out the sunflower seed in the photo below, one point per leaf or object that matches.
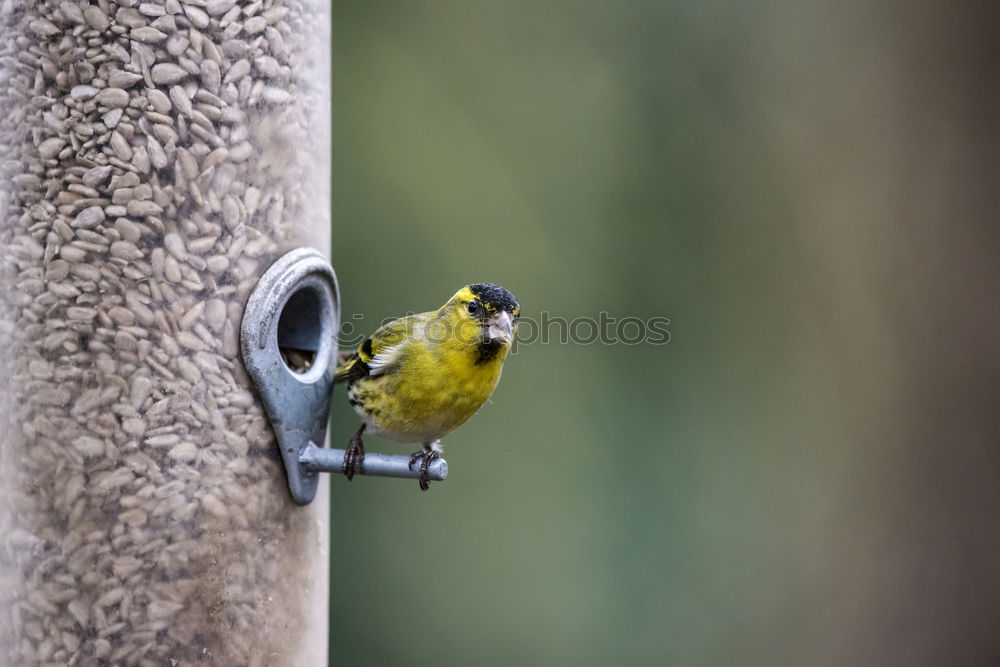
(112, 97)
(148, 35)
(217, 7)
(49, 148)
(89, 217)
(185, 451)
(166, 73)
(122, 79)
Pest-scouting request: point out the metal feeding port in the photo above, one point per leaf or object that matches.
(289, 344)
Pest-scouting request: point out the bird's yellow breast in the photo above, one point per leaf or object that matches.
(437, 387)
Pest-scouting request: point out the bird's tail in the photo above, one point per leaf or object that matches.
(350, 367)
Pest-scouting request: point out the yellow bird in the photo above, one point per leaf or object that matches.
(420, 377)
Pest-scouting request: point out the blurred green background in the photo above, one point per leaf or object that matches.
(806, 473)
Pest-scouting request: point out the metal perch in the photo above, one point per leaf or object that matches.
(322, 459)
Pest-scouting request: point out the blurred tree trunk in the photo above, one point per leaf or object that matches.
(909, 226)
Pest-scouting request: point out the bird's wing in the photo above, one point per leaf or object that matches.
(379, 353)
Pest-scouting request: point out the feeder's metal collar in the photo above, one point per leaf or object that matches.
(297, 404)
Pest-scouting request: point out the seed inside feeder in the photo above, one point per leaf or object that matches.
(298, 361)
(149, 175)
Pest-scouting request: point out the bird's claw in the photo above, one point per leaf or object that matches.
(354, 457)
(427, 456)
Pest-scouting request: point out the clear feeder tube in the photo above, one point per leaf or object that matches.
(155, 159)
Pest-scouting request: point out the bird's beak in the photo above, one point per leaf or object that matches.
(501, 328)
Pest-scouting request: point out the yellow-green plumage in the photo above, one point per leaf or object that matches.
(422, 376)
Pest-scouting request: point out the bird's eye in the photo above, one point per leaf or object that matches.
(473, 307)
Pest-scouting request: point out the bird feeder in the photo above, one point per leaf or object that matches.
(156, 160)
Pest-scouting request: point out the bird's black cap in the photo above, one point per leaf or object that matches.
(495, 296)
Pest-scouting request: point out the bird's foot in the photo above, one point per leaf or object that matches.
(428, 455)
(354, 457)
